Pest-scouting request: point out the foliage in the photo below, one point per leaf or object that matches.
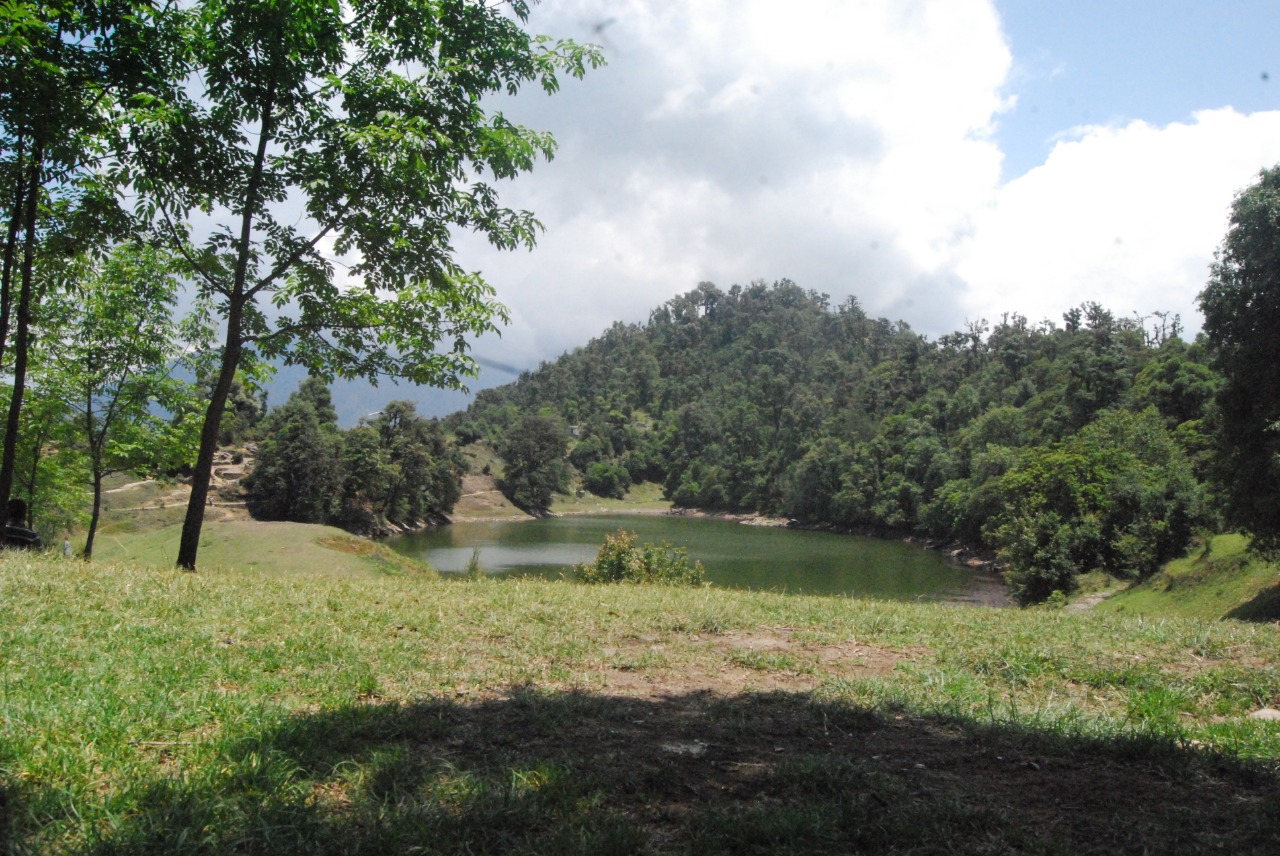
(245, 409)
(533, 451)
(297, 474)
(1118, 496)
(422, 475)
(377, 134)
(1241, 305)
(67, 69)
(622, 560)
(395, 467)
(607, 479)
(767, 399)
(108, 350)
(52, 470)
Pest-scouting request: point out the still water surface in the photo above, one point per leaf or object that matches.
(735, 556)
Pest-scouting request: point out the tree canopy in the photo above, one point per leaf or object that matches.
(1241, 305)
(1063, 446)
(394, 468)
(354, 130)
(67, 69)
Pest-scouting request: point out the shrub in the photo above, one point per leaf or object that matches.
(608, 480)
(622, 560)
(1119, 496)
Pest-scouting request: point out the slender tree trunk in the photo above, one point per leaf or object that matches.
(189, 545)
(33, 475)
(22, 340)
(95, 464)
(10, 247)
(94, 515)
(201, 477)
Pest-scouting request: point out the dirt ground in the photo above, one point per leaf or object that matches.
(481, 500)
(698, 743)
(226, 497)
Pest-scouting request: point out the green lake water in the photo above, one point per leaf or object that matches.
(735, 556)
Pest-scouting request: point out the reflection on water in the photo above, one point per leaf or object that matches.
(735, 556)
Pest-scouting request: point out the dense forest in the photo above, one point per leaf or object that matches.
(395, 467)
(1065, 446)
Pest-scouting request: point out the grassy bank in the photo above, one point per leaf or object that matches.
(149, 711)
(1220, 579)
(261, 546)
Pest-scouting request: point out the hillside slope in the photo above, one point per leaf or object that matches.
(1219, 579)
(1068, 448)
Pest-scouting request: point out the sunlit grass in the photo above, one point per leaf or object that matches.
(257, 546)
(230, 711)
(1220, 579)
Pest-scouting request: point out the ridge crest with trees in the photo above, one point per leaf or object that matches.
(1065, 447)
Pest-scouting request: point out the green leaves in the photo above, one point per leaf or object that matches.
(316, 134)
(1118, 497)
(1241, 304)
(533, 451)
(622, 560)
(394, 467)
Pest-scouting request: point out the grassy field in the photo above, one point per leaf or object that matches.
(1221, 579)
(144, 710)
(641, 499)
(254, 546)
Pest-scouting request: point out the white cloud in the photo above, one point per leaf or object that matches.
(848, 146)
(843, 145)
(1127, 216)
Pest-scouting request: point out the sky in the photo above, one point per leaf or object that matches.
(944, 161)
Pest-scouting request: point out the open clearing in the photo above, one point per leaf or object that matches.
(147, 710)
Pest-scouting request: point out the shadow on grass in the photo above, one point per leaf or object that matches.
(698, 773)
(1263, 607)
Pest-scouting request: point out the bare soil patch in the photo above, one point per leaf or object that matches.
(712, 770)
(768, 659)
(481, 500)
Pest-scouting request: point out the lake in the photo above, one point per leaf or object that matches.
(760, 558)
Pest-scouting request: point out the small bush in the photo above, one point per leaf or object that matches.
(474, 570)
(608, 480)
(622, 560)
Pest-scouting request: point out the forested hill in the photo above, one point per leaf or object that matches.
(1067, 446)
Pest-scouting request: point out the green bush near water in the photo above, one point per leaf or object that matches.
(622, 560)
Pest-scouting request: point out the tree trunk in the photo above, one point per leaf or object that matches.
(22, 340)
(11, 248)
(33, 475)
(96, 442)
(94, 515)
(189, 545)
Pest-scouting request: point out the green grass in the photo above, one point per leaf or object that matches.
(1219, 580)
(252, 545)
(144, 710)
(481, 455)
(645, 497)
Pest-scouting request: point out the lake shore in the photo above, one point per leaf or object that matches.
(757, 558)
(482, 502)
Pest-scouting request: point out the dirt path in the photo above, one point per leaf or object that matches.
(482, 501)
(1088, 601)
(226, 497)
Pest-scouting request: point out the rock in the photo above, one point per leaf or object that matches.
(1269, 714)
